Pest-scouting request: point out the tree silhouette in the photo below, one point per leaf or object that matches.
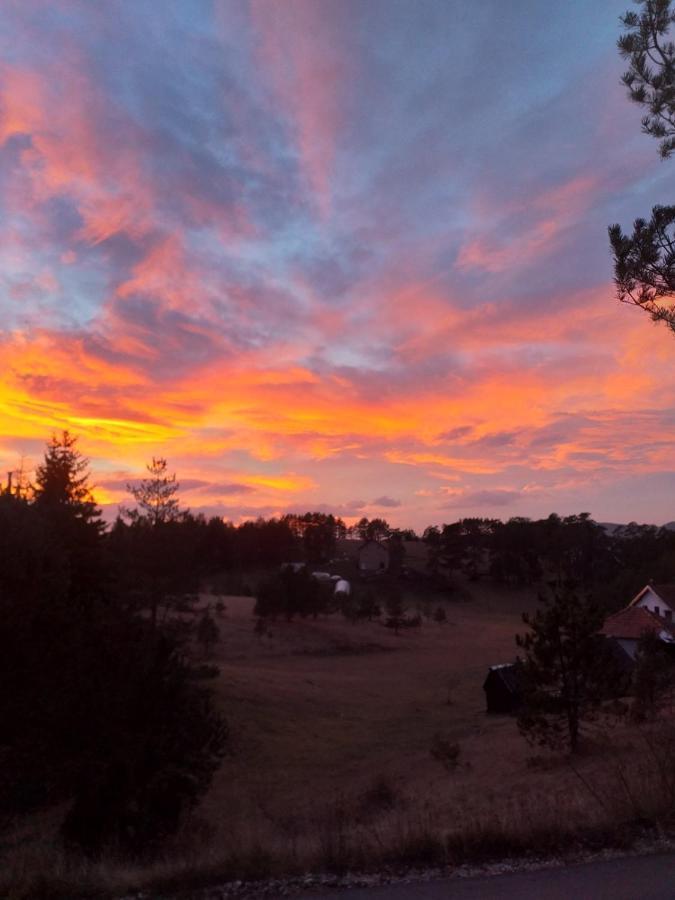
(650, 78)
(568, 669)
(208, 632)
(62, 482)
(644, 262)
(62, 494)
(102, 719)
(156, 495)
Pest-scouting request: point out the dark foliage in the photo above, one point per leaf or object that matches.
(372, 529)
(156, 496)
(62, 496)
(568, 669)
(650, 78)
(99, 711)
(208, 632)
(394, 608)
(317, 533)
(653, 678)
(644, 262)
(288, 594)
(445, 751)
(523, 551)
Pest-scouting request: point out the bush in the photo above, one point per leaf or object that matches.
(208, 632)
(157, 741)
(380, 796)
(446, 752)
(204, 672)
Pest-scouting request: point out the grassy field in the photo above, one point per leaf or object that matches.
(331, 766)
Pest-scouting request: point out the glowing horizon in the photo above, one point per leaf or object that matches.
(337, 256)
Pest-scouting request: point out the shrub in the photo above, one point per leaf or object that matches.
(380, 796)
(445, 751)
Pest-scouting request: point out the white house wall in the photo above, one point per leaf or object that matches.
(651, 601)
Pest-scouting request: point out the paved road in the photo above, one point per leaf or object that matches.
(629, 878)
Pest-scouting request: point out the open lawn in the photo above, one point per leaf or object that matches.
(332, 726)
(320, 709)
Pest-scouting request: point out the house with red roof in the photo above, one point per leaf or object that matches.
(657, 598)
(628, 625)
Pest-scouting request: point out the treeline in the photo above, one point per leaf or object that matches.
(204, 546)
(614, 565)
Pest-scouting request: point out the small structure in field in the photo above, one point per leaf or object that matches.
(342, 588)
(373, 557)
(322, 577)
(658, 599)
(503, 689)
(294, 567)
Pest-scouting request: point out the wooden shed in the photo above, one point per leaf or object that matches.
(503, 689)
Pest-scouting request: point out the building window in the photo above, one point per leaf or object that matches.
(668, 613)
(657, 610)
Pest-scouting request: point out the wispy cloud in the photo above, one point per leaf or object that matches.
(316, 252)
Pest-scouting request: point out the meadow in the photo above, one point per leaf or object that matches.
(331, 767)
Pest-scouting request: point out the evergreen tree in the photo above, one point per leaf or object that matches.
(62, 495)
(160, 568)
(653, 678)
(62, 482)
(650, 78)
(101, 718)
(156, 496)
(644, 262)
(208, 632)
(395, 609)
(568, 669)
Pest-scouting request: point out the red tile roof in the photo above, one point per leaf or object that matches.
(632, 622)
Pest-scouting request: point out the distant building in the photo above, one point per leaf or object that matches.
(373, 557)
(323, 576)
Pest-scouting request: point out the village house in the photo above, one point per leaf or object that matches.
(657, 598)
(650, 611)
(373, 557)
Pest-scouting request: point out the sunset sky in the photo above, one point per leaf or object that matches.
(342, 255)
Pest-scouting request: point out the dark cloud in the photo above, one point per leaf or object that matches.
(385, 501)
(483, 499)
(455, 434)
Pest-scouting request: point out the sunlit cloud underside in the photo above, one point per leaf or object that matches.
(340, 255)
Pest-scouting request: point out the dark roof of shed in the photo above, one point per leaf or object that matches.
(508, 674)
